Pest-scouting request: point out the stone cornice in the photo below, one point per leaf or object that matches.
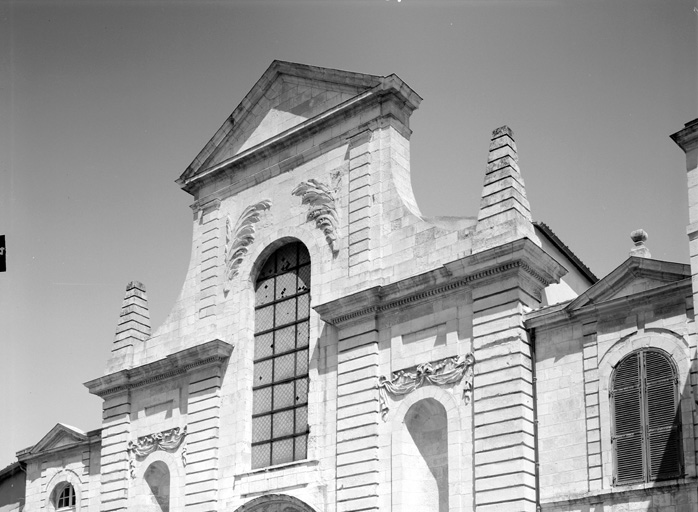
(560, 313)
(520, 255)
(687, 139)
(214, 352)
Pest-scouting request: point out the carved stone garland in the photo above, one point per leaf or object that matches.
(322, 208)
(167, 440)
(445, 371)
(238, 240)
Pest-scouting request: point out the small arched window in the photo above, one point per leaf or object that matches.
(646, 418)
(65, 498)
(280, 386)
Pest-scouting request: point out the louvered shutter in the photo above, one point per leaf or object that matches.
(627, 414)
(663, 432)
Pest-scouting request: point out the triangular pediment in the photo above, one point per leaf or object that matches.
(635, 275)
(60, 436)
(285, 96)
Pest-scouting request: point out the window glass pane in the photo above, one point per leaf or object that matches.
(269, 268)
(304, 306)
(302, 391)
(285, 312)
(303, 334)
(303, 255)
(303, 279)
(264, 292)
(283, 367)
(261, 401)
(302, 362)
(262, 373)
(301, 420)
(282, 451)
(285, 285)
(260, 456)
(283, 423)
(286, 257)
(261, 428)
(264, 319)
(283, 395)
(285, 339)
(263, 345)
(301, 447)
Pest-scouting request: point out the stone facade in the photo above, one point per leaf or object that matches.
(334, 350)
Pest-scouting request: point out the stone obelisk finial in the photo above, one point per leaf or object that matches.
(133, 326)
(505, 214)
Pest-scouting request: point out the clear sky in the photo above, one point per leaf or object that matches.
(104, 104)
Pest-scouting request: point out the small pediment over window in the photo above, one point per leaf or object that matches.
(60, 436)
(634, 276)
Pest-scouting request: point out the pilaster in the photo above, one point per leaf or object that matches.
(360, 202)
(203, 423)
(209, 254)
(503, 433)
(114, 473)
(591, 406)
(358, 416)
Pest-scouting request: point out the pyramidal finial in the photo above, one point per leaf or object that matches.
(505, 214)
(639, 237)
(134, 324)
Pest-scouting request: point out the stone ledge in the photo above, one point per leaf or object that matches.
(211, 353)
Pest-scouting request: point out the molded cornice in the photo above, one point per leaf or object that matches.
(212, 353)
(519, 255)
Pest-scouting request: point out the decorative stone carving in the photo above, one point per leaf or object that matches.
(238, 240)
(167, 440)
(322, 208)
(445, 371)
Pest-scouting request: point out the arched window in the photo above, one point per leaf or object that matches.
(280, 387)
(65, 498)
(646, 418)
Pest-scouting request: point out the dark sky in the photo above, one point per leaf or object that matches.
(104, 104)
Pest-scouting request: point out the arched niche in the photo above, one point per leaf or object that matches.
(157, 476)
(158, 483)
(458, 446)
(275, 503)
(424, 458)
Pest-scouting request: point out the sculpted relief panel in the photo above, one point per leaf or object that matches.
(443, 372)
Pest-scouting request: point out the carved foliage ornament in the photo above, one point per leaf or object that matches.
(238, 239)
(322, 208)
(167, 441)
(445, 371)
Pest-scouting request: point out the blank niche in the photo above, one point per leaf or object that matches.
(426, 455)
(157, 476)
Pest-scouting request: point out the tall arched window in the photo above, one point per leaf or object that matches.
(646, 418)
(280, 387)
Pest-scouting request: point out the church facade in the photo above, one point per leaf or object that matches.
(332, 349)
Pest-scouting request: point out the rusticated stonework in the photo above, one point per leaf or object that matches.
(445, 371)
(238, 239)
(322, 209)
